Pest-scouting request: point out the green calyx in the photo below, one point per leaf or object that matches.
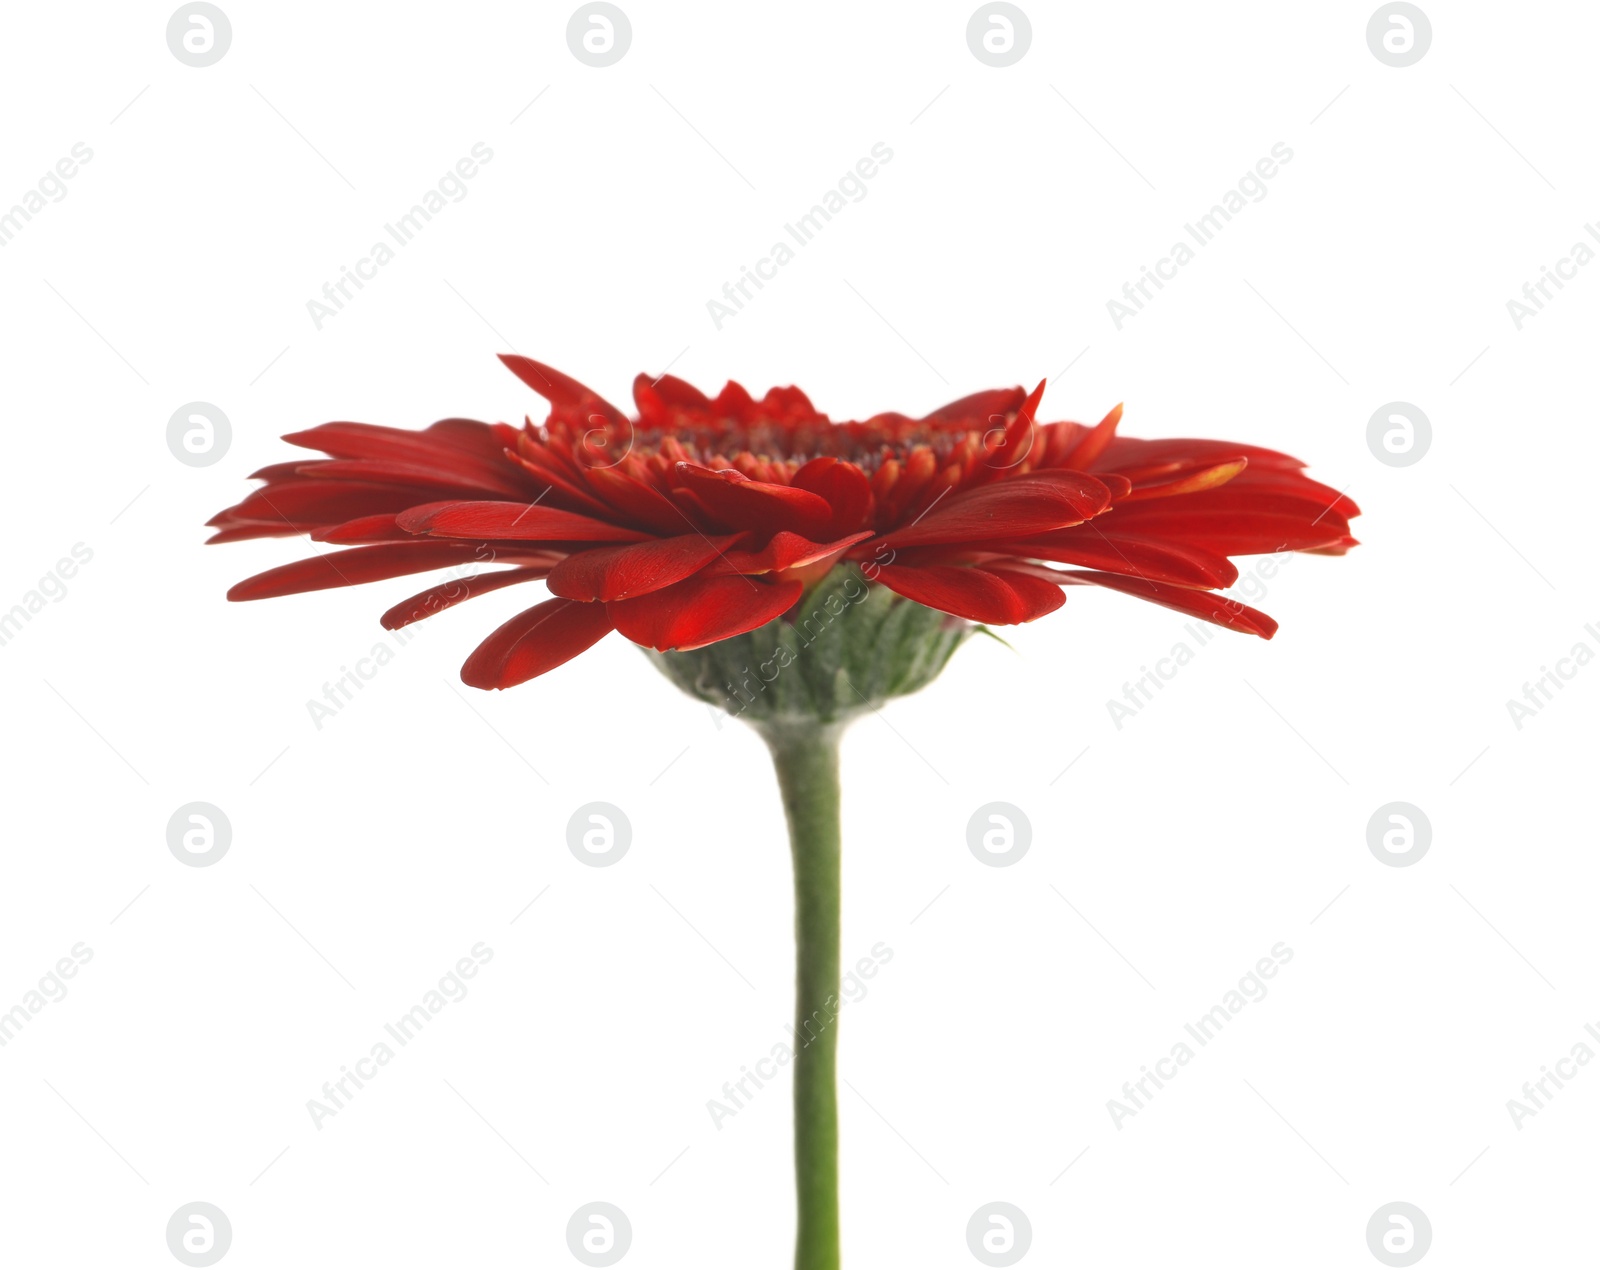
(847, 647)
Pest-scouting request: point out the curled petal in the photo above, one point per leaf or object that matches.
(1019, 507)
(1206, 605)
(702, 610)
(788, 551)
(614, 573)
(845, 488)
(741, 503)
(534, 641)
(995, 596)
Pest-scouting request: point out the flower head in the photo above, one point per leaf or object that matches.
(706, 518)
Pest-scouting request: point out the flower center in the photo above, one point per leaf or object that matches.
(781, 448)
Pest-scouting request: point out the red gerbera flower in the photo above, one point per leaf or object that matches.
(705, 518)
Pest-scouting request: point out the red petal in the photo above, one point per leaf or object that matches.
(1092, 446)
(846, 489)
(487, 440)
(1193, 479)
(979, 408)
(702, 610)
(1119, 485)
(659, 399)
(614, 573)
(1232, 533)
(448, 594)
(1009, 508)
(448, 440)
(741, 503)
(1157, 561)
(1246, 494)
(790, 405)
(311, 503)
(637, 501)
(350, 568)
(681, 393)
(1007, 445)
(534, 641)
(520, 522)
(244, 533)
(1139, 459)
(998, 597)
(434, 476)
(568, 398)
(733, 401)
(363, 529)
(788, 551)
(570, 495)
(1202, 604)
(1263, 490)
(279, 471)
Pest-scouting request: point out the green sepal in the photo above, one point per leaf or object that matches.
(848, 646)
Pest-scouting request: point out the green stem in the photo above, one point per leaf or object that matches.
(806, 756)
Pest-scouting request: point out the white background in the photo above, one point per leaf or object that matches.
(372, 853)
